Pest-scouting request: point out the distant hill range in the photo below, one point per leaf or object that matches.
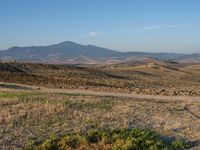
(73, 53)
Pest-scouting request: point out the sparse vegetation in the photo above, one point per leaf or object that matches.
(167, 79)
(12, 95)
(34, 114)
(86, 105)
(118, 139)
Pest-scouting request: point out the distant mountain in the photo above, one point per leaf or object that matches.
(70, 52)
(191, 58)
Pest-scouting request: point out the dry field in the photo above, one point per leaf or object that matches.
(68, 100)
(162, 79)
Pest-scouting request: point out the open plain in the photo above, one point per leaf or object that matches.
(39, 100)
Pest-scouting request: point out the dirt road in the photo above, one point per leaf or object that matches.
(95, 93)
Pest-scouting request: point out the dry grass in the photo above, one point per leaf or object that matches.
(163, 80)
(28, 113)
(34, 115)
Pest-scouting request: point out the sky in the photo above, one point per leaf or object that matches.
(124, 25)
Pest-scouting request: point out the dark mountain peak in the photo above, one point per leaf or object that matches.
(14, 47)
(67, 43)
(67, 51)
(90, 45)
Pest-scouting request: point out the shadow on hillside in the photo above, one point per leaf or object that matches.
(12, 86)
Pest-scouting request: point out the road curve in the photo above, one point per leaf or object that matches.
(124, 95)
(96, 93)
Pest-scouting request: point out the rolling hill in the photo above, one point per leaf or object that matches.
(72, 53)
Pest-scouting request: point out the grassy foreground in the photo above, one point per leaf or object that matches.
(35, 115)
(120, 139)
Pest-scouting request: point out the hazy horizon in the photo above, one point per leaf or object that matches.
(145, 51)
(131, 25)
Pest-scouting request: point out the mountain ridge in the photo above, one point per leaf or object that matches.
(71, 52)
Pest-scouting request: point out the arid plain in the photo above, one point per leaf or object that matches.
(39, 100)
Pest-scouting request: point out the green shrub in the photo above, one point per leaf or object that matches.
(94, 136)
(178, 144)
(51, 143)
(120, 139)
(73, 141)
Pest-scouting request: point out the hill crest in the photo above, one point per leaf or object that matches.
(68, 52)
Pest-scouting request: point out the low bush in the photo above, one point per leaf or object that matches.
(118, 139)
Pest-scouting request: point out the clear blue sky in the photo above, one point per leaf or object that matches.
(126, 25)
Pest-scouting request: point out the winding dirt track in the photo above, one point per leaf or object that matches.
(122, 95)
(165, 120)
(95, 93)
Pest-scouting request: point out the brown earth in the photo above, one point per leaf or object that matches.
(36, 113)
(64, 99)
(161, 79)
